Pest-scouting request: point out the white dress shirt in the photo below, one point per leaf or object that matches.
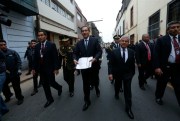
(126, 53)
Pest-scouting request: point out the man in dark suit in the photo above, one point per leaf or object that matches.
(47, 65)
(121, 67)
(113, 46)
(88, 47)
(167, 62)
(143, 55)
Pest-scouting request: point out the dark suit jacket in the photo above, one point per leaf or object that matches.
(116, 66)
(162, 51)
(142, 53)
(93, 49)
(50, 57)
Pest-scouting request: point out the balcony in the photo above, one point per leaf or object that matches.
(26, 7)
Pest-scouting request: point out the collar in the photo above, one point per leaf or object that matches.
(44, 42)
(87, 39)
(124, 48)
(175, 36)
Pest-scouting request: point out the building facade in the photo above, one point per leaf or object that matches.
(138, 17)
(58, 18)
(81, 21)
(17, 24)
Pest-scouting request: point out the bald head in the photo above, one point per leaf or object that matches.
(145, 37)
(124, 41)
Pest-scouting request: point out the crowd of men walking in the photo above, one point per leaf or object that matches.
(161, 59)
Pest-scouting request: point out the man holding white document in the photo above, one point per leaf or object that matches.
(86, 56)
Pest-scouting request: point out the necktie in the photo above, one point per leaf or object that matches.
(124, 55)
(117, 45)
(86, 44)
(42, 52)
(177, 50)
(149, 52)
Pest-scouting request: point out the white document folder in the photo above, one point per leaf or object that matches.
(84, 63)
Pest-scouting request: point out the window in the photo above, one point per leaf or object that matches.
(174, 11)
(131, 17)
(54, 6)
(123, 27)
(120, 30)
(47, 2)
(153, 28)
(79, 17)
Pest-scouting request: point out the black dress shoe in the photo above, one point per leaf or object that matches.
(130, 113)
(159, 101)
(86, 106)
(112, 81)
(7, 100)
(48, 103)
(97, 92)
(91, 87)
(19, 102)
(60, 91)
(34, 92)
(71, 94)
(143, 88)
(116, 97)
(121, 90)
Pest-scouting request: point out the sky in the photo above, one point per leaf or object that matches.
(105, 10)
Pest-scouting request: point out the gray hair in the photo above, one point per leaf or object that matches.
(171, 23)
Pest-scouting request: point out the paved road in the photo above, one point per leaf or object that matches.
(104, 108)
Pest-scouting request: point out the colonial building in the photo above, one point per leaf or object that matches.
(137, 17)
(17, 24)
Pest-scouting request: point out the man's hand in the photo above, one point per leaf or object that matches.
(56, 72)
(158, 71)
(33, 72)
(93, 60)
(110, 77)
(75, 62)
(139, 65)
(19, 72)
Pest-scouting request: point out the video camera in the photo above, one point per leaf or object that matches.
(3, 18)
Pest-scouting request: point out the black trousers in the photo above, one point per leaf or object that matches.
(48, 79)
(15, 80)
(35, 81)
(69, 78)
(145, 71)
(170, 74)
(127, 89)
(89, 76)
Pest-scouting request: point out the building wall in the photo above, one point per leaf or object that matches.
(143, 9)
(48, 12)
(19, 33)
(148, 8)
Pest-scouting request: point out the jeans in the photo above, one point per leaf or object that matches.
(3, 107)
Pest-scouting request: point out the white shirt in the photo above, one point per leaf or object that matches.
(172, 56)
(126, 53)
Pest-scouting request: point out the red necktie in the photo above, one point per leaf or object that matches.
(177, 50)
(149, 52)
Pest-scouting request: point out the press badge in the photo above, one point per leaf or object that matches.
(177, 52)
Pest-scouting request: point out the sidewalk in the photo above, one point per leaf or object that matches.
(25, 77)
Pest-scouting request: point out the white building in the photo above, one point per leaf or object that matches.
(58, 18)
(138, 17)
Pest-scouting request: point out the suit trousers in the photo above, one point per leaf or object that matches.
(170, 74)
(48, 79)
(88, 75)
(145, 71)
(15, 80)
(127, 89)
(69, 78)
